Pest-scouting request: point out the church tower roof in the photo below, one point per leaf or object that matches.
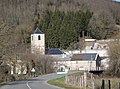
(38, 31)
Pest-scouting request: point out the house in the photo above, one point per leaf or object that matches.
(94, 46)
(85, 61)
(91, 59)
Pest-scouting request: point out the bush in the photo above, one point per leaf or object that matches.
(5, 73)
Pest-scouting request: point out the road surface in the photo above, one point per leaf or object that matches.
(35, 83)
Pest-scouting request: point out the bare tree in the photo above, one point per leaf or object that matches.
(102, 26)
(81, 44)
(44, 64)
(114, 64)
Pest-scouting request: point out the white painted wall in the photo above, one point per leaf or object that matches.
(79, 65)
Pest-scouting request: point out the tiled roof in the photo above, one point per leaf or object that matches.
(84, 56)
(54, 51)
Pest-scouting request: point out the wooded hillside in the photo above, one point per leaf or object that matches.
(63, 21)
(25, 11)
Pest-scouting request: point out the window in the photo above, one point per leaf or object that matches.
(39, 37)
(32, 37)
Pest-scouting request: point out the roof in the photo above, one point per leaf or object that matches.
(84, 56)
(54, 51)
(38, 31)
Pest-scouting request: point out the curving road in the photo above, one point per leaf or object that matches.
(35, 83)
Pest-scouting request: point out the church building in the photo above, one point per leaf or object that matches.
(38, 42)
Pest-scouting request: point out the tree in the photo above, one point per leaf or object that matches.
(114, 63)
(4, 73)
(102, 26)
(62, 28)
(115, 13)
(44, 64)
(81, 44)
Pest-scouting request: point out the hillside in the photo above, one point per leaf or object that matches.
(25, 11)
(63, 21)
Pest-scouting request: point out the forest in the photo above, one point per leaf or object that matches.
(63, 21)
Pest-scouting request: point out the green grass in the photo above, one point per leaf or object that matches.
(60, 83)
(2, 84)
(78, 74)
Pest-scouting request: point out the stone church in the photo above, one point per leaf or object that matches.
(38, 42)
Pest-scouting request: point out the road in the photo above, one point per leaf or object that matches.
(35, 83)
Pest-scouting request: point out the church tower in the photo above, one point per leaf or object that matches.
(38, 42)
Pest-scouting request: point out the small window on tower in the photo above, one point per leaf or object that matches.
(39, 37)
(32, 37)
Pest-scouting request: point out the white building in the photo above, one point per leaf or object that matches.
(38, 42)
(86, 61)
(94, 46)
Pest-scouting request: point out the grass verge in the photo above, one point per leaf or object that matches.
(60, 83)
(2, 84)
(78, 74)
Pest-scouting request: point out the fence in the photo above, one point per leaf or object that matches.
(85, 82)
(110, 84)
(79, 81)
